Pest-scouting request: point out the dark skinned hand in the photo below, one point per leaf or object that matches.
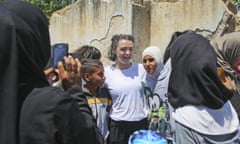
(70, 74)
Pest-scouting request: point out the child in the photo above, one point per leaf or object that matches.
(97, 96)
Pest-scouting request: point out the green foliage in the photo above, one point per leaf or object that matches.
(49, 6)
(236, 1)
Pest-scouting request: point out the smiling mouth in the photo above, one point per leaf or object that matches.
(127, 57)
(149, 71)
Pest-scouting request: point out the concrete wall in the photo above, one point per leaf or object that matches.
(167, 18)
(152, 22)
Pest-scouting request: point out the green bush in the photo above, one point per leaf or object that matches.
(236, 1)
(49, 6)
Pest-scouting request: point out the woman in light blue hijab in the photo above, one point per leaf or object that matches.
(155, 85)
(157, 74)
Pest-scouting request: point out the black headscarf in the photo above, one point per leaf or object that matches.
(194, 79)
(24, 51)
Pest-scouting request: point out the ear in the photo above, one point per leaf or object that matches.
(86, 77)
(221, 74)
(226, 81)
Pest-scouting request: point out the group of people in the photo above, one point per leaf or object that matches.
(190, 94)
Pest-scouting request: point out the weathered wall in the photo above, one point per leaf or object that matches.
(91, 22)
(141, 27)
(168, 17)
(152, 22)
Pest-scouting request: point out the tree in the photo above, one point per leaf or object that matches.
(237, 3)
(49, 6)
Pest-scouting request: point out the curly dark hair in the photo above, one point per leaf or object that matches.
(115, 39)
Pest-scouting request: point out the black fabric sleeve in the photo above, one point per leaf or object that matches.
(75, 122)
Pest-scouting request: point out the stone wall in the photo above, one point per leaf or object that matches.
(152, 22)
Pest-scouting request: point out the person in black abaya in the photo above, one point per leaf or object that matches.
(203, 112)
(48, 115)
(24, 44)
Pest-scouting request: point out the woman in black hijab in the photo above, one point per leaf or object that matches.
(48, 115)
(24, 51)
(203, 113)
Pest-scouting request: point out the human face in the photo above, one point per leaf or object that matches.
(95, 79)
(124, 52)
(236, 66)
(150, 64)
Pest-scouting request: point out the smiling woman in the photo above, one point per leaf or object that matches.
(123, 79)
(155, 89)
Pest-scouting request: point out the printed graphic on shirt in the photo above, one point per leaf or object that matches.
(104, 103)
(159, 113)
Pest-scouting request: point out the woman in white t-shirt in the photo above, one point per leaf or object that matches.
(123, 79)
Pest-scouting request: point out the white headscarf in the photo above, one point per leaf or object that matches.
(154, 52)
(159, 80)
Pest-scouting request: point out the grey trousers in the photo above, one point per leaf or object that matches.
(185, 135)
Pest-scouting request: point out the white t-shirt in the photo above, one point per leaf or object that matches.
(126, 91)
(208, 121)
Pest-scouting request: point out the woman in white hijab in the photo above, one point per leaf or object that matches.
(155, 89)
(157, 74)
